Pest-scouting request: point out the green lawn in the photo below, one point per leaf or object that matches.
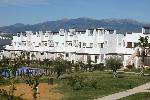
(6, 97)
(106, 85)
(138, 96)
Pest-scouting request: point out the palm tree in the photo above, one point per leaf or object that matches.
(143, 43)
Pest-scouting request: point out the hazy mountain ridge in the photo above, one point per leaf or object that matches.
(121, 25)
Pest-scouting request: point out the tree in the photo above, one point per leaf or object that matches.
(13, 65)
(89, 65)
(33, 82)
(32, 56)
(114, 63)
(143, 42)
(46, 62)
(59, 66)
(68, 66)
(5, 62)
(79, 65)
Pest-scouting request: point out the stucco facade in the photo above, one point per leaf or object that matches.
(73, 45)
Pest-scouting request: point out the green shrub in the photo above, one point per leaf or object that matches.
(79, 82)
(91, 83)
(114, 63)
(4, 95)
(76, 82)
(99, 67)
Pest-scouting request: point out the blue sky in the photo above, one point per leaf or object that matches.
(35, 11)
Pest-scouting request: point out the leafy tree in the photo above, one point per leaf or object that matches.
(12, 66)
(143, 42)
(33, 82)
(12, 86)
(114, 63)
(46, 62)
(59, 66)
(5, 62)
(68, 66)
(79, 65)
(89, 65)
(32, 56)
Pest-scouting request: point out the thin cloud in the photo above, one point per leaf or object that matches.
(23, 2)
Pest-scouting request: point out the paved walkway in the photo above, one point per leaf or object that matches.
(141, 88)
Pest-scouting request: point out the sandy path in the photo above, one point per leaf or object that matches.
(46, 92)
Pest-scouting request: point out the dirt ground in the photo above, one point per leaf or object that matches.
(46, 92)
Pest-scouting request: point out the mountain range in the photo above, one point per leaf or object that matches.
(121, 25)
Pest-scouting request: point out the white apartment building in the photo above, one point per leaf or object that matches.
(72, 45)
(130, 46)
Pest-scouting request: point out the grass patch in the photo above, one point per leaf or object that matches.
(138, 96)
(106, 85)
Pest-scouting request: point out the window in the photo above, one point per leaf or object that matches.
(70, 44)
(67, 54)
(102, 45)
(39, 44)
(56, 43)
(34, 33)
(42, 53)
(129, 44)
(24, 43)
(91, 45)
(84, 44)
(18, 35)
(96, 58)
(51, 43)
(45, 44)
(80, 44)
